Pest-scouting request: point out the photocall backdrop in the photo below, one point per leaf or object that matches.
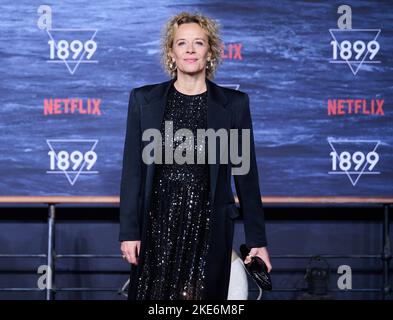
(319, 77)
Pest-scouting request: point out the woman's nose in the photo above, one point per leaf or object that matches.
(190, 48)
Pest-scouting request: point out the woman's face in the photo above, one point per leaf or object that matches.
(190, 49)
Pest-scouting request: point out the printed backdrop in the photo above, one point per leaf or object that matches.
(319, 79)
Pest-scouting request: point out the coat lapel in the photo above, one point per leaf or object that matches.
(152, 115)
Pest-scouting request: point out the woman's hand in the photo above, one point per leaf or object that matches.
(263, 254)
(130, 250)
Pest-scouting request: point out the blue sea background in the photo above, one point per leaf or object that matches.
(285, 69)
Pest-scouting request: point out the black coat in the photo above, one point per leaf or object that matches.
(227, 108)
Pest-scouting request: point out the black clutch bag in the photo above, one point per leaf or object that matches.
(257, 269)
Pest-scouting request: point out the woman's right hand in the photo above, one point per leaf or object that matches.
(130, 250)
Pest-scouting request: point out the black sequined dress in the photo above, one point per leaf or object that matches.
(178, 225)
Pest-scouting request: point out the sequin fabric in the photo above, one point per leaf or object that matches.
(179, 218)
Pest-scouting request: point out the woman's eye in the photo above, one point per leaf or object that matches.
(200, 43)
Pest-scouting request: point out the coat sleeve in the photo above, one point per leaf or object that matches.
(247, 185)
(131, 174)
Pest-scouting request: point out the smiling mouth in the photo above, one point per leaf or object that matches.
(190, 60)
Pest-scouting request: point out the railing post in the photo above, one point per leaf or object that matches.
(50, 293)
(387, 254)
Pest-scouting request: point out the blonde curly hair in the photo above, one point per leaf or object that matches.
(210, 26)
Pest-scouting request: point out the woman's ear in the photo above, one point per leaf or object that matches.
(172, 56)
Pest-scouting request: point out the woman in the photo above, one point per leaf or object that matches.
(176, 220)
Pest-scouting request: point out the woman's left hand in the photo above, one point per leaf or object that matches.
(263, 254)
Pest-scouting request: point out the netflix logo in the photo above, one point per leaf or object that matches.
(232, 51)
(90, 106)
(341, 107)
